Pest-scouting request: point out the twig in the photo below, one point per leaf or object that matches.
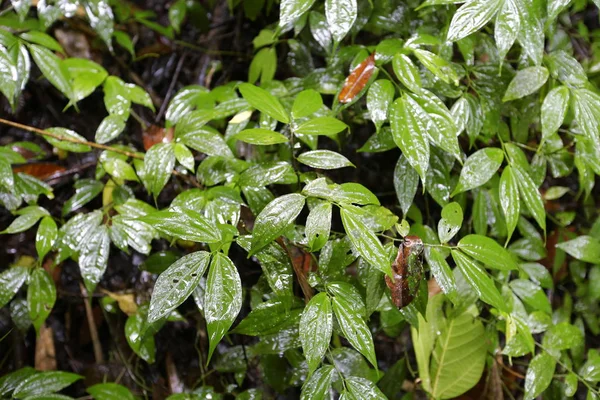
(93, 330)
(69, 139)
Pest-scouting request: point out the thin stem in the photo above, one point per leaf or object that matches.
(69, 139)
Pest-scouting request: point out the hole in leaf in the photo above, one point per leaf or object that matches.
(175, 280)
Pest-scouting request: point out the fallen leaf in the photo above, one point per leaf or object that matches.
(41, 171)
(358, 78)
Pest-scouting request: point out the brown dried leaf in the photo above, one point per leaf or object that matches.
(357, 80)
(45, 351)
(156, 134)
(41, 171)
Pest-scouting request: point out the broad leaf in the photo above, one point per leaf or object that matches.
(324, 159)
(11, 281)
(526, 82)
(318, 225)
(554, 109)
(539, 374)
(316, 326)
(487, 251)
(45, 382)
(584, 248)
(41, 296)
(471, 17)
(479, 168)
(509, 199)
(184, 224)
(340, 15)
(530, 196)
(264, 101)
(449, 225)
(354, 328)
(158, 166)
(260, 136)
(291, 10)
(94, 257)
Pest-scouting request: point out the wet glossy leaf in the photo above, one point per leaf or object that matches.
(509, 199)
(479, 280)
(94, 257)
(406, 182)
(471, 17)
(264, 101)
(45, 382)
(176, 284)
(358, 78)
(158, 165)
(41, 296)
(11, 280)
(206, 140)
(46, 236)
(184, 224)
(184, 156)
(584, 248)
(407, 72)
(562, 336)
(324, 159)
(306, 103)
(109, 391)
(531, 35)
(341, 15)
(410, 134)
(260, 136)
(479, 168)
(85, 191)
(318, 225)
(508, 23)
(110, 127)
(531, 196)
(463, 338)
(177, 14)
(442, 273)
(317, 386)
(531, 294)
(65, 145)
(539, 375)
(120, 170)
(291, 10)
(354, 328)
(364, 240)
(274, 219)
(52, 68)
(362, 388)
(488, 252)
(327, 126)
(223, 298)
(101, 18)
(567, 69)
(554, 109)
(379, 98)
(11, 380)
(27, 218)
(184, 101)
(526, 82)
(139, 337)
(316, 326)
(269, 317)
(449, 225)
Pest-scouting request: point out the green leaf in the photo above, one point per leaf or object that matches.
(437, 65)
(508, 24)
(318, 225)
(85, 191)
(177, 13)
(364, 240)
(531, 294)
(471, 17)
(406, 182)
(184, 156)
(185, 101)
(531, 35)
(479, 280)
(379, 98)
(260, 136)
(449, 225)
(41, 296)
(94, 257)
(509, 199)
(46, 236)
(11, 280)
(269, 318)
(85, 75)
(554, 109)
(10, 380)
(567, 69)
(140, 336)
(64, 145)
(184, 224)
(317, 386)
(206, 140)
(410, 134)
(124, 40)
(176, 284)
(43, 39)
(539, 375)
(462, 341)
(158, 165)
(354, 328)
(442, 273)
(101, 19)
(52, 68)
(274, 219)
(562, 336)
(526, 82)
(120, 170)
(316, 327)
(264, 101)
(324, 159)
(291, 10)
(28, 217)
(479, 168)
(530, 196)
(110, 391)
(488, 252)
(407, 72)
(222, 300)
(362, 388)
(341, 15)
(584, 248)
(353, 193)
(327, 126)
(110, 127)
(308, 101)
(45, 382)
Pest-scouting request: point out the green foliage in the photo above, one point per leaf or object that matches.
(263, 235)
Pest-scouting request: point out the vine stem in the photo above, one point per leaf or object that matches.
(68, 139)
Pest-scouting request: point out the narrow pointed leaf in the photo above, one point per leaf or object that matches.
(316, 326)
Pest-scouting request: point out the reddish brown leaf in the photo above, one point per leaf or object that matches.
(156, 134)
(40, 170)
(357, 80)
(406, 281)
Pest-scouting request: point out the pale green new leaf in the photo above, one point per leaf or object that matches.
(379, 98)
(264, 101)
